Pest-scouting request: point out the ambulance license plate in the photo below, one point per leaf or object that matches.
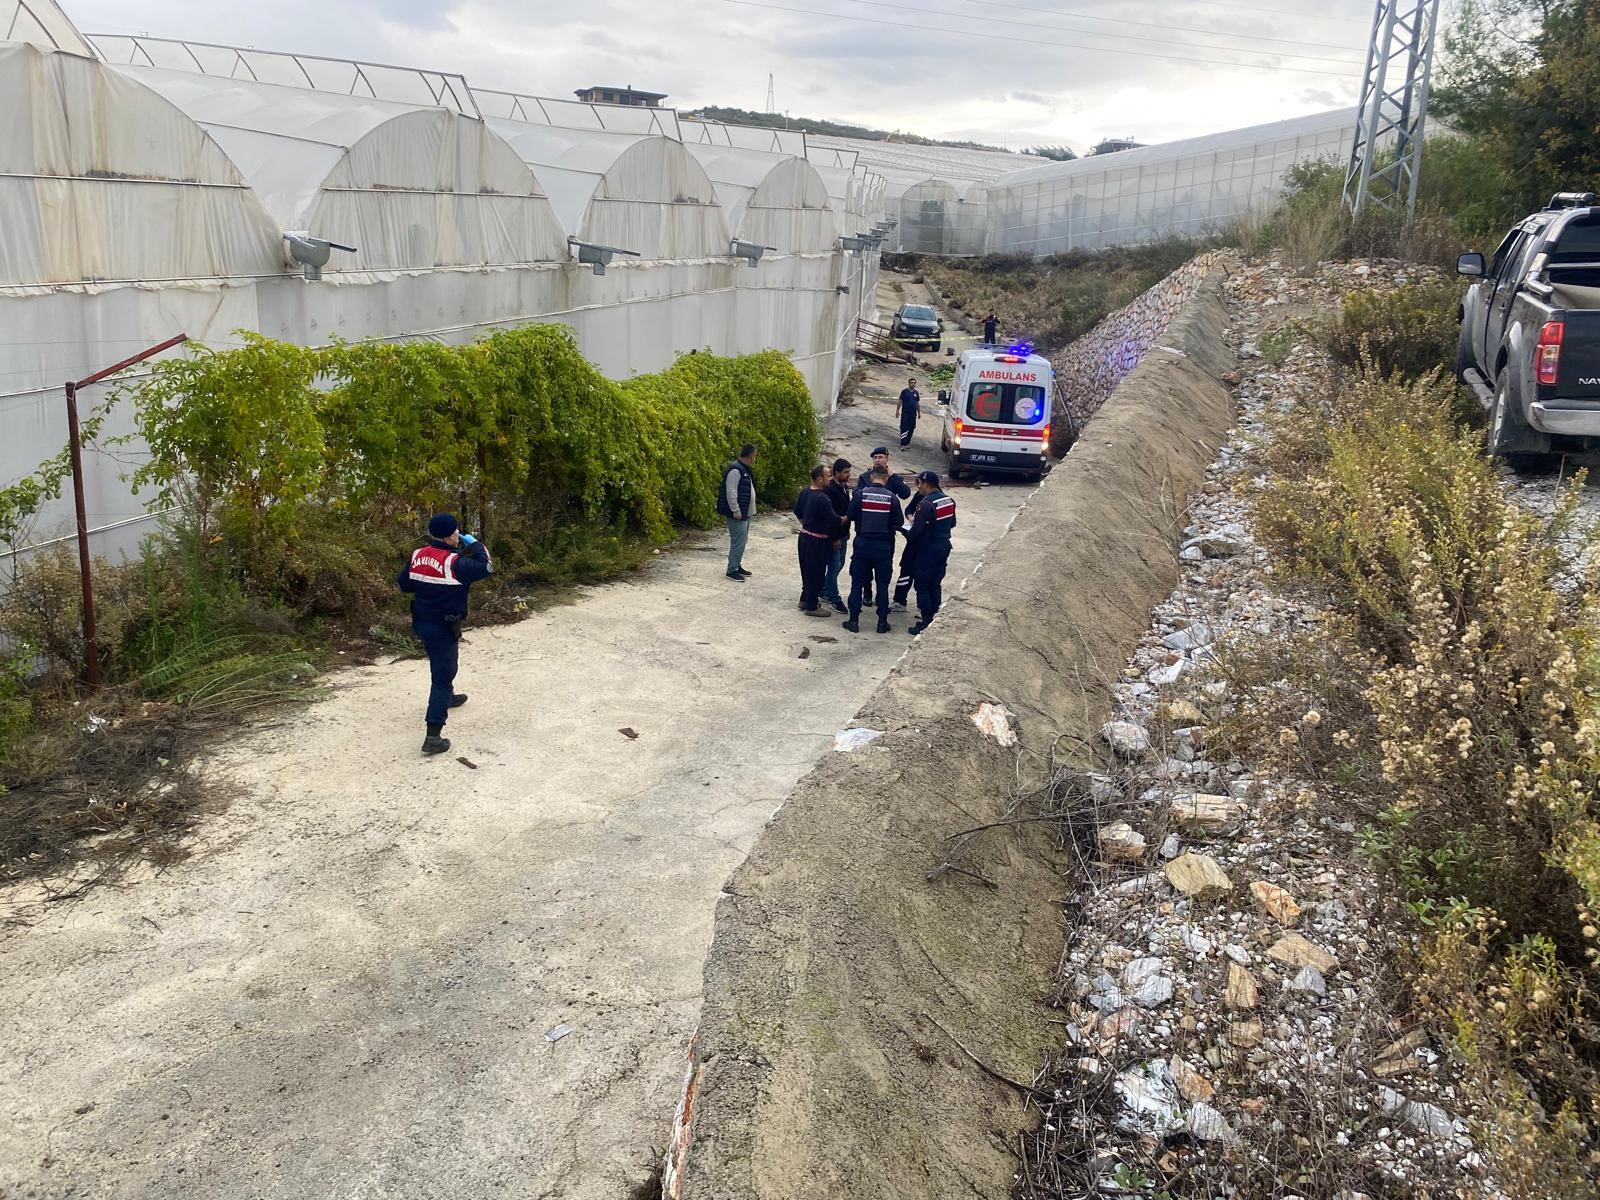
(977, 458)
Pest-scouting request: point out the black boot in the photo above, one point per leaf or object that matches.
(853, 625)
(435, 742)
(457, 700)
(883, 624)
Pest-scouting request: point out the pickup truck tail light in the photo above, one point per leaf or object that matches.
(1547, 354)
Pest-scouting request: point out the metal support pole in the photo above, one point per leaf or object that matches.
(91, 647)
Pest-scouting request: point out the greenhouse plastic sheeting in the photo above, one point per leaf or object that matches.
(635, 192)
(773, 200)
(42, 23)
(104, 180)
(1179, 188)
(410, 188)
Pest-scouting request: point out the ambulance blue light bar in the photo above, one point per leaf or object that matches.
(1022, 348)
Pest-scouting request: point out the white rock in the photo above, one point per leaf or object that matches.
(1171, 846)
(1163, 674)
(1141, 969)
(1153, 993)
(1309, 980)
(1426, 1118)
(1197, 942)
(1208, 1125)
(1188, 639)
(1126, 738)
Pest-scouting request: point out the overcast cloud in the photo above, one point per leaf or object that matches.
(1017, 74)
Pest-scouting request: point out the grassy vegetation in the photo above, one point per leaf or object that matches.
(1457, 701)
(1052, 301)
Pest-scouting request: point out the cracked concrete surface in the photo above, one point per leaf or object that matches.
(345, 992)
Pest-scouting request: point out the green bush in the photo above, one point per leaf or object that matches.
(1407, 331)
(311, 460)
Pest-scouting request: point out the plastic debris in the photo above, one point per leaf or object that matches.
(847, 740)
(557, 1033)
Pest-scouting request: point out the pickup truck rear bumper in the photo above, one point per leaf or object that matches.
(1572, 418)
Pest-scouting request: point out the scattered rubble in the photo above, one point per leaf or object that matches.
(1229, 988)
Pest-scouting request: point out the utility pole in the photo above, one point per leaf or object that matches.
(1394, 105)
(772, 100)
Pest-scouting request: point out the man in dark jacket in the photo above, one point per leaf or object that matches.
(437, 576)
(736, 501)
(876, 513)
(991, 327)
(930, 531)
(880, 458)
(907, 408)
(819, 525)
(908, 555)
(838, 490)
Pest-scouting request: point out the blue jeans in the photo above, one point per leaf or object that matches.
(830, 585)
(738, 536)
(443, 644)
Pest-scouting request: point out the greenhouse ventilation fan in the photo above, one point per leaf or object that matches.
(312, 253)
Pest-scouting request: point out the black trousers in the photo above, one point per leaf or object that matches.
(873, 560)
(928, 575)
(902, 579)
(816, 554)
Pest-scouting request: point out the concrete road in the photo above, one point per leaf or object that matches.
(347, 991)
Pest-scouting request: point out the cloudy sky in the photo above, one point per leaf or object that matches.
(1016, 74)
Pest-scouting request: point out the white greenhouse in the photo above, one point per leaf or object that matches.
(1179, 189)
(149, 185)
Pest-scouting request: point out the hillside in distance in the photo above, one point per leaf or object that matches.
(742, 116)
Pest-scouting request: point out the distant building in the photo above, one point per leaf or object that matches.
(1115, 145)
(621, 95)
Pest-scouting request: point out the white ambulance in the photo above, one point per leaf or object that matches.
(997, 412)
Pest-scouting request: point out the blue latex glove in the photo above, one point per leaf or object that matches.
(467, 539)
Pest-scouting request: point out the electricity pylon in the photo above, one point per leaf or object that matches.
(1394, 104)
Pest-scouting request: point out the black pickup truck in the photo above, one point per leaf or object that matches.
(1530, 334)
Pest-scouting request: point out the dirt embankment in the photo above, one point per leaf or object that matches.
(852, 987)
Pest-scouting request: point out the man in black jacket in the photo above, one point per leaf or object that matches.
(819, 525)
(930, 532)
(437, 576)
(838, 490)
(876, 514)
(736, 501)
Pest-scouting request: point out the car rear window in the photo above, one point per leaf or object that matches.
(1579, 242)
(1006, 403)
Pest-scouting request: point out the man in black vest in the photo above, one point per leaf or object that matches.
(819, 525)
(930, 531)
(876, 514)
(892, 481)
(991, 328)
(736, 501)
